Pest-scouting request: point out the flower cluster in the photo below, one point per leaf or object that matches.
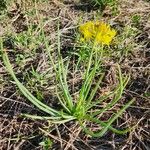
(98, 31)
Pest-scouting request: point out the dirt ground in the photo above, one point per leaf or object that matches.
(17, 133)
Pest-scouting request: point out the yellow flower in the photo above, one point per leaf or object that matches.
(98, 31)
(87, 30)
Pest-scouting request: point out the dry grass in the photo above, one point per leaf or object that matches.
(23, 134)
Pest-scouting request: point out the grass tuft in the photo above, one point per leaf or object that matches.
(79, 109)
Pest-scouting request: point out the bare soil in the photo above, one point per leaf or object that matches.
(19, 133)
